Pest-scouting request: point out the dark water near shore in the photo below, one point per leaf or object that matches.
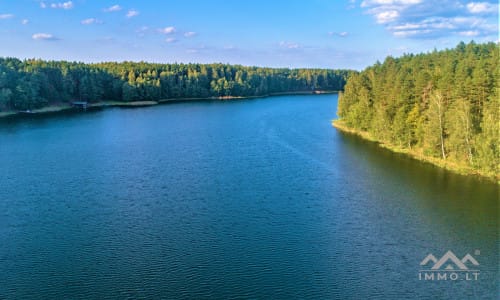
(239, 199)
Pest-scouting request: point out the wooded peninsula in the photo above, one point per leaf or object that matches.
(441, 107)
(34, 84)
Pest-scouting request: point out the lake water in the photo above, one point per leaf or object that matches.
(257, 198)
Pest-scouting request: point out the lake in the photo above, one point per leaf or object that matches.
(258, 198)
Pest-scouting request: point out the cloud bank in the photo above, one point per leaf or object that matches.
(432, 19)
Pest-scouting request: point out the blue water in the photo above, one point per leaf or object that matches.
(238, 199)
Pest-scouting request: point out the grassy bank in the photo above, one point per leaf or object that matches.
(43, 110)
(451, 166)
(123, 104)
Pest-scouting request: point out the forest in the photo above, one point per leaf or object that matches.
(442, 105)
(33, 83)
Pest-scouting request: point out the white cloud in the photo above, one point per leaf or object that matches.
(167, 30)
(340, 34)
(43, 36)
(6, 16)
(389, 11)
(410, 33)
(25, 21)
(113, 8)
(469, 33)
(132, 13)
(427, 24)
(407, 26)
(386, 16)
(289, 45)
(189, 34)
(90, 21)
(171, 40)
(43, 5)
(63, 5)
(482, 7)
(389, 2)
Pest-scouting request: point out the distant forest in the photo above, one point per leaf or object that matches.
(29, 84)
(443, 104)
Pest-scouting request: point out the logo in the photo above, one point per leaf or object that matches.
(449, 267)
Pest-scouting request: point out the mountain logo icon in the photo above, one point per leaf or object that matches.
(449, 261)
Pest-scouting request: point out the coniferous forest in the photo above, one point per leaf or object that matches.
(442, 105)
(30, 84)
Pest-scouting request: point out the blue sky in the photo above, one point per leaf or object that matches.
(277, 33)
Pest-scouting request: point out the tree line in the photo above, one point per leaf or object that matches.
(34, 83)
(443, 104)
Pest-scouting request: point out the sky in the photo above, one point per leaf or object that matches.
(339, 34)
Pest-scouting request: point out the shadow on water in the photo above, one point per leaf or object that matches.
(441, 211)
(22, 120)
(445, 196)
(28, 120)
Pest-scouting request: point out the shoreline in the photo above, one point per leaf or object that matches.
(136, 104)
(447, 165)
